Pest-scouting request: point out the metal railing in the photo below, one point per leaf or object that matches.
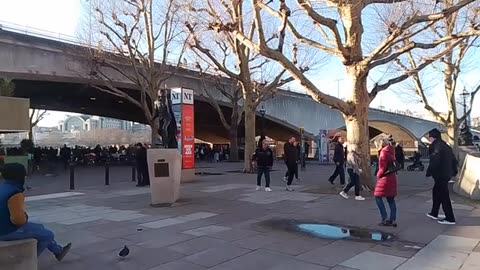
(41, 33)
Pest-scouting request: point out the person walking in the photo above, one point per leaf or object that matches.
(285, 178)
(442, 167)
(354, 171)
(14, 224)
(400, 155)
(339, 159)
(306, 148)
(291, 159)
(386, 186)
(264, 159)
(142, 166)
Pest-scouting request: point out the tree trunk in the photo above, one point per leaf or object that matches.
(452, 136)
(249, 135)
(154, 139)
(30, 134)
(357, 125)
(233, 136)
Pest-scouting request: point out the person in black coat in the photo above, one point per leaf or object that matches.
(142, 166)
(442, 167)
(264, 158)
(400, 155)
(291, 159)
(339, 159)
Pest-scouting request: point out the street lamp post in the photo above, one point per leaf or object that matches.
(262, 131)
(466, 137)
(464, 94)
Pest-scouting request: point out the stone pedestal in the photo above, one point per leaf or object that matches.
(18, 255)
(165, 171)
(188, 175)
(468, 183)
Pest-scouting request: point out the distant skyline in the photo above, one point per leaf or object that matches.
(64, 17)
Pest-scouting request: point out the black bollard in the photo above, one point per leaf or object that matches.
(72, 175)
(107, 173)
(134, 171)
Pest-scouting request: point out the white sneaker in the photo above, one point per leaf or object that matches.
(258, 188)
(289, 188)
(299, 180)
(440, 216)
(344, 195)
(268, 189)
(446, 222)
(359, 198)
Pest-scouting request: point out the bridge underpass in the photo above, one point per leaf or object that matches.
(81, 98)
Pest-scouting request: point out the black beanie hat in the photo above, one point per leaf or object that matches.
(14, 172)
(434, 133)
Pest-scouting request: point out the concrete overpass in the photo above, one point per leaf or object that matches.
(55, 76)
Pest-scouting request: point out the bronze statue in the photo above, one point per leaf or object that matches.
(166, 119)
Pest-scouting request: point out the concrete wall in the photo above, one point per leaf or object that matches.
(14, 114)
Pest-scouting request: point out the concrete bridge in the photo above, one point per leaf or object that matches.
(55, 76)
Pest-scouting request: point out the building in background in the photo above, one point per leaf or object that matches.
(76, 123)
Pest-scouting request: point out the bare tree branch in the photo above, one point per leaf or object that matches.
(414, 70)
(472, 98)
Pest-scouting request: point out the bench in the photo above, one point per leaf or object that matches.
(18, 255)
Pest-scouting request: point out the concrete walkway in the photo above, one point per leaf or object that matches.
(218, 225)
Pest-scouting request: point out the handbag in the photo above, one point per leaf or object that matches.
(392, 167)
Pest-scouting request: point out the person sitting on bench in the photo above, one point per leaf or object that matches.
(14, 224)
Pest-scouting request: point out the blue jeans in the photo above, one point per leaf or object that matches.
(260, 172)
(354, 182)
(44, 237)
(383, 211)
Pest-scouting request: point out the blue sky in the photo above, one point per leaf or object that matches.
(63, 16)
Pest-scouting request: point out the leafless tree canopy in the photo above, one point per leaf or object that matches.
(338, 27)
(141, 40)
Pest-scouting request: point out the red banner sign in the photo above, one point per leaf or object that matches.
(188, 137)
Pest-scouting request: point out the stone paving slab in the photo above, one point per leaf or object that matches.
(453, 243)
(207, 230)
(335, 253)
(369, 260)
(264, 259)
(197, 245)
(226, 233)
(472, 262)
(178, 265)
(216, 255)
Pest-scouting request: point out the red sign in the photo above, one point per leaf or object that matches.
(188, 137)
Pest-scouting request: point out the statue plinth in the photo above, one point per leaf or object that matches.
(165, 171)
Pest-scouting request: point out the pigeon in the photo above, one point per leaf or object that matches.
(124, 252)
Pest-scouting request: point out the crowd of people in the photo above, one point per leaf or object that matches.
(391, 159)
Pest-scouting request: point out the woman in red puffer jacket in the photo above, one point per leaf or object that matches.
(386, 186)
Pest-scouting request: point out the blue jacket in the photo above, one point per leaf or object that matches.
(7, 190)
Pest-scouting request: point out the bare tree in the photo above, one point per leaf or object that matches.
(336, 27)
(35, 117)
(257, 77)
(233, 94)
(450, 66)
(145, 37)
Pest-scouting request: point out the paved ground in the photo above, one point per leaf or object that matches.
(218, 225)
